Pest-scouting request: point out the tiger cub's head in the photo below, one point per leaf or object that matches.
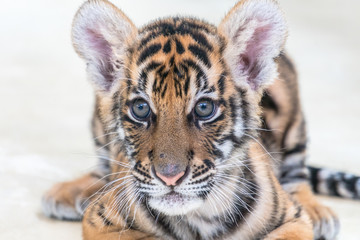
(181, 94)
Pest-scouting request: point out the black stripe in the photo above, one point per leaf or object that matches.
(203, 193)
(164, 91)
(190, 155)
(116, 103)
(350, 184)
(223, 139)
(233, 108)
(314, 178)
(298, 212)
(178, 73)
(167, 46)
(219, 118)
(147, 39)
(201, 40)
(144, 73)
(196, 35)
(209, 163)
(199, 173)
(297, 149)
(240, 212)
(212, 150)
(221, 84)
(179, 47)
(186, 85)
(162, 221)
(244, 106)
(201, 78)
(162, 74)
(280, 220)
(101, 212)
(148, 52)
(268, 102)
(210, 90)
(172, 60)
(126, 118)
(158, 86)
(200, 54)
(332, 184)
(141, 170)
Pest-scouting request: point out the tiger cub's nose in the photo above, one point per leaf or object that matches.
(170, 174)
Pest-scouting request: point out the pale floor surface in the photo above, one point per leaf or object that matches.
(46, 102)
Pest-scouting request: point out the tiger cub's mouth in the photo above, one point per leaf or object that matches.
(175, 203)
(173, 197)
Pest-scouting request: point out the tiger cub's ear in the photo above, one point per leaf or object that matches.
(256, 32)
(100, 33)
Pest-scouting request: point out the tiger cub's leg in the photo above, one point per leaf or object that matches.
(290, 231)
(294, 177)
(105, 219)
(68, 200)
(325, 222)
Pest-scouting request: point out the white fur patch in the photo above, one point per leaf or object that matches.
(226, 148)
(342, 190)
(322, 176)
(175, 204)
(239, 123)
(121, 133)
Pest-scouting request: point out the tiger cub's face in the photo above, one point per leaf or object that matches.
(181, 94)
(178, 111)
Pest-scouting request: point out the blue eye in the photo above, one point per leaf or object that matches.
(140, 109)
(204, 109)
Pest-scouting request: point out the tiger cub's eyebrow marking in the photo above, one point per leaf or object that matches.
(201, 54)
(143, 79)
(148, 52)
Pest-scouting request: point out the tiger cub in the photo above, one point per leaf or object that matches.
(199, 131)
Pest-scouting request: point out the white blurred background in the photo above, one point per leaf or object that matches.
(46, 102)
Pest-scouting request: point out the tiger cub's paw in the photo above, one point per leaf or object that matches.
(68, 200)
(325, 222)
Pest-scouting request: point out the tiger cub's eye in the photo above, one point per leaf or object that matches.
(204, 109)
(140, 109)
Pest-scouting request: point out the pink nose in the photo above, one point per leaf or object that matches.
(170, 180)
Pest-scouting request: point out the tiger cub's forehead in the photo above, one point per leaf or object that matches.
(177, 58)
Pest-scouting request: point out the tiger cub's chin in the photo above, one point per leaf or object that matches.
(173, 204)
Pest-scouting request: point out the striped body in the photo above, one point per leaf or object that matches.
(198, 128)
